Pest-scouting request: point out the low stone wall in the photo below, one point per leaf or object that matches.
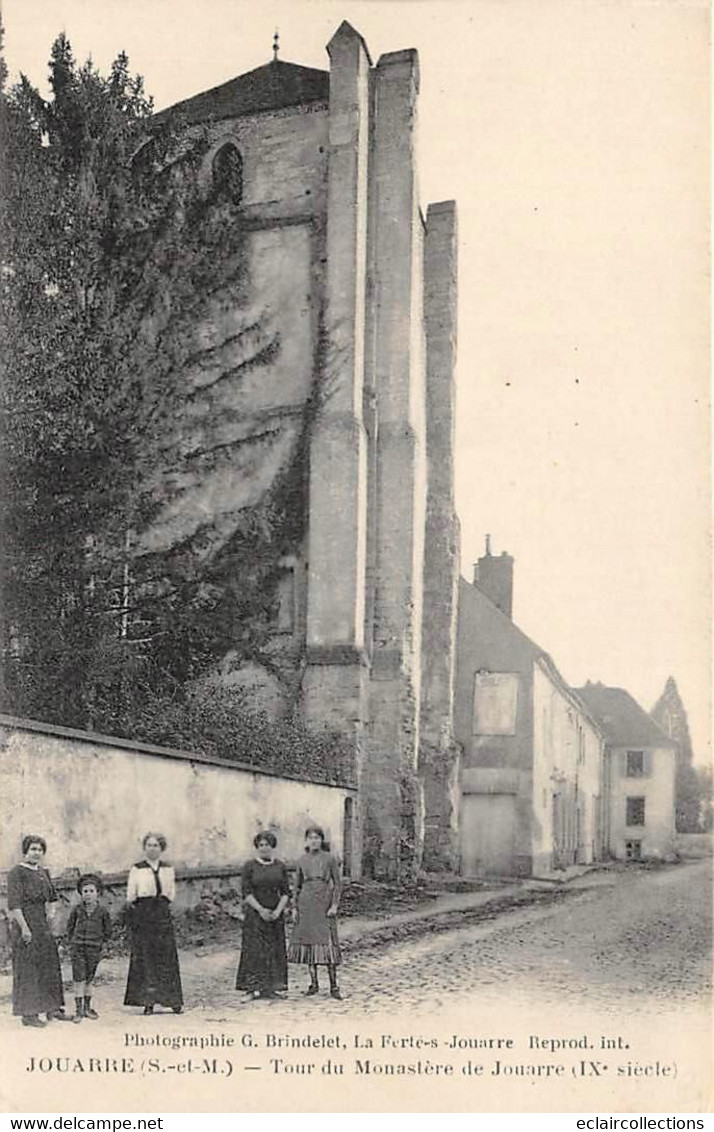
(694, 844)
(203, 896)
(92, 797)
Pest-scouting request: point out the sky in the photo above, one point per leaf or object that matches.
(574, 136)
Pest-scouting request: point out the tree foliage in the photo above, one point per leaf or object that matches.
(219, 723)
(66, 414)
(125, 326)
(670, 715)
(706, 794)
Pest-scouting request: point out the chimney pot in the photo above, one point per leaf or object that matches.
(494, 578)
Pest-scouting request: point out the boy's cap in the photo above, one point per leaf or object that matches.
(89, 878)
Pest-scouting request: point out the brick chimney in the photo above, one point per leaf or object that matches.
(493, 575)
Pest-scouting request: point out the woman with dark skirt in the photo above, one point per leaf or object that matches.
(263, 967)
(36, 973)
(314, 940)
(154, 975)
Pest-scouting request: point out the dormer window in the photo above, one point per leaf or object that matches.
(227, 174)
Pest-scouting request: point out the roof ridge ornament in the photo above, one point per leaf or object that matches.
(276, 45)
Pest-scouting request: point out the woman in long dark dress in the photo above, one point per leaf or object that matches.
(314, 940)
(154, 975)
(36, 973)
(263, 967)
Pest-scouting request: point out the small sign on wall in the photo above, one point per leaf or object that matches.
(495, 703)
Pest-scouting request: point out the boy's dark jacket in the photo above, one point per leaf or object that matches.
(83, 929)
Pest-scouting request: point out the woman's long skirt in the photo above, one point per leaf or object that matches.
(154, 975)
(36, 972)
(263, 966)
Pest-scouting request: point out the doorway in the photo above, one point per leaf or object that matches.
(488, 834)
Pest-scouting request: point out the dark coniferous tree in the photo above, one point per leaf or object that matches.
(670, 715)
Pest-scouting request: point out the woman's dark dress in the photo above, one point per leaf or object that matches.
(263, 963)
(154, 976)
(36, 972)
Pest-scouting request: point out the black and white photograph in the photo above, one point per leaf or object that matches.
(355, 557)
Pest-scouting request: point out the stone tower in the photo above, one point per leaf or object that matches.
(360, 285)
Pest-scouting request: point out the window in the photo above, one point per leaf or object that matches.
(286, 602)
(227, 174)
(285, 610)
(635, 814)
(495, 703)
(633, 850)
(635, 764)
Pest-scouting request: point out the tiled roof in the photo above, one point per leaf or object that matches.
(483, 604)
(273, 86)
(622, 719)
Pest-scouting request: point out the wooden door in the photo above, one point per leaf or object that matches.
(488, 834)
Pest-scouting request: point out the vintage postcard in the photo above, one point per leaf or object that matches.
(355, 566)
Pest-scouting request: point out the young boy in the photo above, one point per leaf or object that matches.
(88, 929)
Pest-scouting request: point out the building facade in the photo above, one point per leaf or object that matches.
(347, 304)
(532, 763)
(551, 776)
(640, 767)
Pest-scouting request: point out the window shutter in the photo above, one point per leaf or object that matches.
(647, 763)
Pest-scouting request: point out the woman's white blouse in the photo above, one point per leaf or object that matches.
(141, 882)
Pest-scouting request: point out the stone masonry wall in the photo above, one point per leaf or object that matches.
(358, 292)
(393, 833)
(335, 685)
(248, 382)
(93, 798)
(438, 751)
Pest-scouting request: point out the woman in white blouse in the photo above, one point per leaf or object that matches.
(154, 975)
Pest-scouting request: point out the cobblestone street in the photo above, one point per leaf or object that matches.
(644, 936)
(620, 961)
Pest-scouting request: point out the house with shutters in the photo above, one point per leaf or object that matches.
(640, 764)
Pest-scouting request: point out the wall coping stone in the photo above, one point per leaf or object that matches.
(67, 880)
(13, 723)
